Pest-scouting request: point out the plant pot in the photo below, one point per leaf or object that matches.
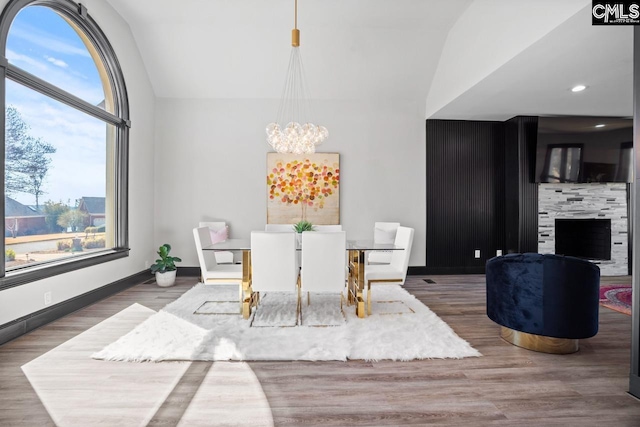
(166, 279)
(299, 238)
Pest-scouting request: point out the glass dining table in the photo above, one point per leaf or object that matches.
(357, 260)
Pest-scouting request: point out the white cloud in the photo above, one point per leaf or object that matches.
(17, 59)
(58, 62)
(46, 40)
(61, 76)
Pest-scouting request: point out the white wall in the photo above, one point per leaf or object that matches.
(210, 163)
(22, 300)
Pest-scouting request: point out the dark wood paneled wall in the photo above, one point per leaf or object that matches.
(481, 193)
(521, 191)
(465, 186)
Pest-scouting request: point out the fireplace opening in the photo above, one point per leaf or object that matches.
(584, 238)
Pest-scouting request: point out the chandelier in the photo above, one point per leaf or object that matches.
(299, 136)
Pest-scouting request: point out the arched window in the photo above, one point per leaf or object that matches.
(65, 142)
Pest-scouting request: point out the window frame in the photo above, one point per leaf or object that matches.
(78, 15)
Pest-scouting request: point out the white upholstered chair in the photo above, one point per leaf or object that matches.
(289, 227)
(211, 272)
(279, 227)
(274, 267)
(383, 232)
(336, 227)
(394, 272)
(284, 228)
(323, 263)
(220, 227)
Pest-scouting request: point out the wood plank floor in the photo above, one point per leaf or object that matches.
(508, 386)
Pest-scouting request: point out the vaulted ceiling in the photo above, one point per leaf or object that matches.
(391, 49)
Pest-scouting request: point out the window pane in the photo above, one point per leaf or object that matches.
(56, 180)
(44, 44)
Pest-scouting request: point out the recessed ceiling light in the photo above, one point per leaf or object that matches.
(600, 125)
(578, 88)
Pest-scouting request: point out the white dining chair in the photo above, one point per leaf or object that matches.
(396, 270)
(219, 228)
(330, 228)
(384, 233)
(323, 263)
(285, 228)
(336, 227)
(273, 264)
(211, 272)
(289, 227)
(279, 227)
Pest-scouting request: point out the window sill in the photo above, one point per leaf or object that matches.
(45, 270)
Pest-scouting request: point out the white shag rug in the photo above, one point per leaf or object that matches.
(198, 326)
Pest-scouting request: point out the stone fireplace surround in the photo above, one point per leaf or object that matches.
(586, 201)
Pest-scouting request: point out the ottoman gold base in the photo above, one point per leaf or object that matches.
(538, 342)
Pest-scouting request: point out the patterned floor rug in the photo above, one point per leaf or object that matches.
(616, 297)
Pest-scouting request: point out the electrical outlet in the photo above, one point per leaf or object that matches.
(477, 253)
(47, 298)
(499, 252)
(147, 264)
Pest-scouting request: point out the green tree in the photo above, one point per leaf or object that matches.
(52, 212)
(27, 159)
(15, 132)
(34, 166)
(73, 218)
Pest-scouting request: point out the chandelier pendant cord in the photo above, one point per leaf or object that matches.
(294, 100)
(297, 135)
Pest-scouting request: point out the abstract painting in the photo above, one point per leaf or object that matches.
(303, 187)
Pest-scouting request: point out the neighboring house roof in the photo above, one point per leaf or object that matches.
(92, 205)
(39, 210)
(13, 208)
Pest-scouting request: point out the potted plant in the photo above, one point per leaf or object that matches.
(165, 267)
(303, 225)
(300, 227)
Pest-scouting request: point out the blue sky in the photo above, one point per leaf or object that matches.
(42, 43)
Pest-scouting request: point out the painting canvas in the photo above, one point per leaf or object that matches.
(303, 187)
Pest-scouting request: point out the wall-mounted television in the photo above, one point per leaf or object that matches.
(572, 149)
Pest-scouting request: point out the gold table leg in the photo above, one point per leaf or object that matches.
(355, 283)
(247, 297)
(360, 311)
(352, 278)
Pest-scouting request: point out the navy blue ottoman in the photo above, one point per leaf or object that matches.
(543, 302)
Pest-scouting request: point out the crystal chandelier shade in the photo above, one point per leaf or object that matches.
(299, 136)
